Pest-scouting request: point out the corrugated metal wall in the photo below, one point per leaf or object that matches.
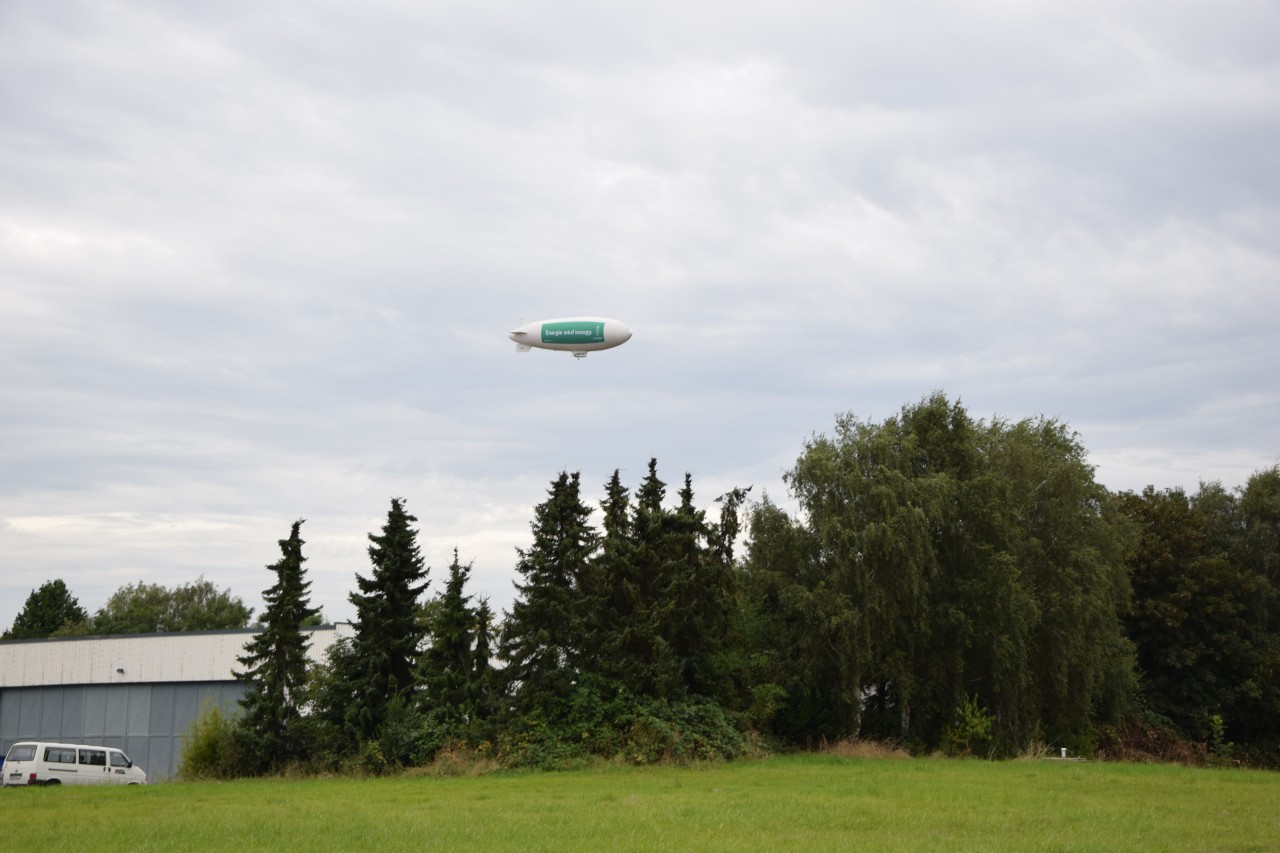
(191, 656)
(147, 721)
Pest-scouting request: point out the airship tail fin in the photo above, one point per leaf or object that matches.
(518, 335)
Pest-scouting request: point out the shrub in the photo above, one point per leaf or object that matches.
(692, 730)
(215, 748)
(623, 728)
(970, 734)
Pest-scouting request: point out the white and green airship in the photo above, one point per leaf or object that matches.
(578, 335)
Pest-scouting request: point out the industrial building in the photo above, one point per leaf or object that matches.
(139, 692)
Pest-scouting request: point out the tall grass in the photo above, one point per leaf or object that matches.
(810, 802)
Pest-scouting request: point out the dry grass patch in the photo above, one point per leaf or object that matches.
(855, 748)
(458, 761)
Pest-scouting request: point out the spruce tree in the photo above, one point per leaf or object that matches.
(542, 637)
(648, 629)
(705, 592)
(446, 667)
(275, 660)
(483, 698)
(609, 591)
(697, 622)
(387, 635)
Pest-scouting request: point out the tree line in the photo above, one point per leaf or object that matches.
(136, 608)
(947, 583)
(620, 641)
(968, 586)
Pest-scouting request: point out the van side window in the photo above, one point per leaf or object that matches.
(58, 755)
(119, 759)
(94, 757)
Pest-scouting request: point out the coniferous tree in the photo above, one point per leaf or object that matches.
(703, 595)
(656, 670)
(275, 660)
(49, 609)
(542, 637)
(387, 635)
(732, 656)
(484, 689)
(609, 593)
(725, 651)
(447, 665)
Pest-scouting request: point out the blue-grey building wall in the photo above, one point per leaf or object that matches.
(147, 721)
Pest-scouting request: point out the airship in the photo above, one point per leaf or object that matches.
(578, 335)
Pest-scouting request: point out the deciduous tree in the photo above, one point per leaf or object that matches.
(944, 563)
(1200, 618)
(49, 609)
(144, 608)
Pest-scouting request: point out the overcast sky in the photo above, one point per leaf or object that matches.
(258, 260)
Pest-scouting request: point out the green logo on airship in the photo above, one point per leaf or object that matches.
(575, 332)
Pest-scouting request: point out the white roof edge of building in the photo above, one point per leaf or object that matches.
(140, 658)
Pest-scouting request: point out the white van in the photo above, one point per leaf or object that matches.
(38, 763)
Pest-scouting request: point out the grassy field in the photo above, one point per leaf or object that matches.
(809, 802)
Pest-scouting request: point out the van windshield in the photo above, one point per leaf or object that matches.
(22, 752)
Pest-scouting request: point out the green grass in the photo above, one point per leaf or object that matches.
(809, 802)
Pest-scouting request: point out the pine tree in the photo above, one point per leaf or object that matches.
(275, 660)
(542, 637)
(387, 635)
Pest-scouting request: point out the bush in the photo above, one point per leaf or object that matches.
(216, 748)
(970, 734)
(591, 725)
(1147, 738)
(694, 730)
